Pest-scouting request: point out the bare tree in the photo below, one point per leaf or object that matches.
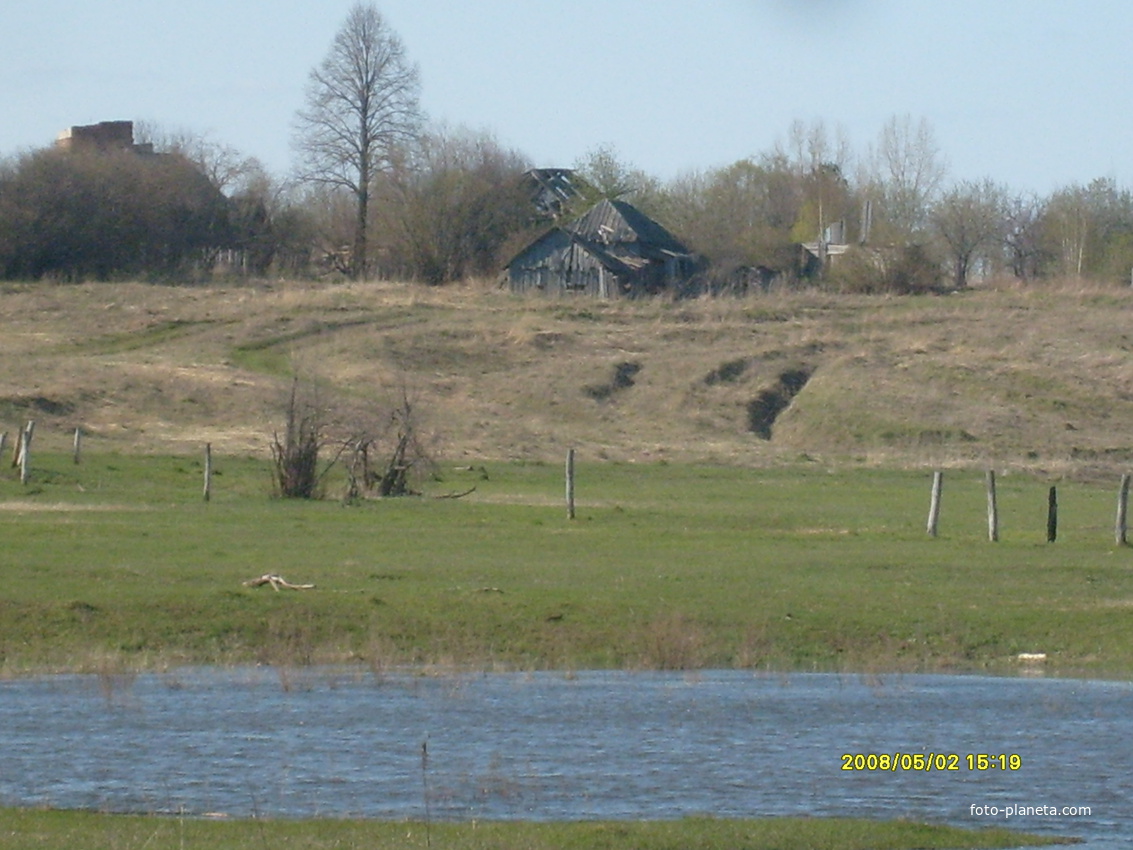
(398, 436)
(1023, 237)
(452, 214)
(361, 109)
(818, 164)
(969, 218)
(226, 168)
(906, 172)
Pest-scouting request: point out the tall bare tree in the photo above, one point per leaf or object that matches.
(818, 163)
(361, 110)
(906, 172)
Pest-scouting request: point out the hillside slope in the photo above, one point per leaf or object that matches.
(1039, 379)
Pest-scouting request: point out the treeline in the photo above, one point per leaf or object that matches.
(98, 215)
(454, 205)
(94, 216)
(895, 220)
(449, 211)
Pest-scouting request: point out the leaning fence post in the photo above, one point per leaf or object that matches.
(992, 509)
(208, 471)
(1052, 515)
(78, 445)
(25, 455)
(934, 504)
(19, 447)
(570, 483)
(1122, 526)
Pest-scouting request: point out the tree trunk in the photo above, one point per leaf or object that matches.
(358, 260)
(362, 193)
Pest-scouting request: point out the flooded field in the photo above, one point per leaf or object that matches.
(591, 745)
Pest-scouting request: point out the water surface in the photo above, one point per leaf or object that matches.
(550, 746)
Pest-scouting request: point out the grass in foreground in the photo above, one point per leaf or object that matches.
(23, 829)
(117, 563)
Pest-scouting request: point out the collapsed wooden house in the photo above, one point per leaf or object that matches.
(614, 250)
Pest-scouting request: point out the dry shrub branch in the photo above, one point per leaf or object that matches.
(405, 460)
(295, 458)
(385, 452)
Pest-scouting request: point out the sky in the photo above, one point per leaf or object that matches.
(1033, 94)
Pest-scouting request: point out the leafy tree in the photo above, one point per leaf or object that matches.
(605, 175)
(738, 215)
(1089, 229)
(1066, 225)
(361, 111)
(605, 171)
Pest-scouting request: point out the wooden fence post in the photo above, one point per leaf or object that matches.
(570, 483)
(3, 441)
(25, 455)
(18, 448)
(208, 471)
(1122, 526)
(78, 446)
(934, 504)
(1052, 515)
(992, 509)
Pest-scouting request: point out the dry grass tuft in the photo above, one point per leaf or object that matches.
(673, 642)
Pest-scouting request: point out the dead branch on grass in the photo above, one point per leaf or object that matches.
(276, 583)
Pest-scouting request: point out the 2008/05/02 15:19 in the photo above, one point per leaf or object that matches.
(931, 761)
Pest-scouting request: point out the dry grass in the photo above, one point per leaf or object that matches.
(1037, 377)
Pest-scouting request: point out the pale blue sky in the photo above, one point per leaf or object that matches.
(1032, 93)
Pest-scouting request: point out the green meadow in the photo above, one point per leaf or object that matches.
(119, 564)
(57, 830)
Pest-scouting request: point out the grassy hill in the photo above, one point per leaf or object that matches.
(754, 479)
(1038, 379)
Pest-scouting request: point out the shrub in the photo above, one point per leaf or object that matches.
(295, 458)
(898, 270)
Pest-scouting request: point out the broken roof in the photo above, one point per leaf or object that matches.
(613, 222)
